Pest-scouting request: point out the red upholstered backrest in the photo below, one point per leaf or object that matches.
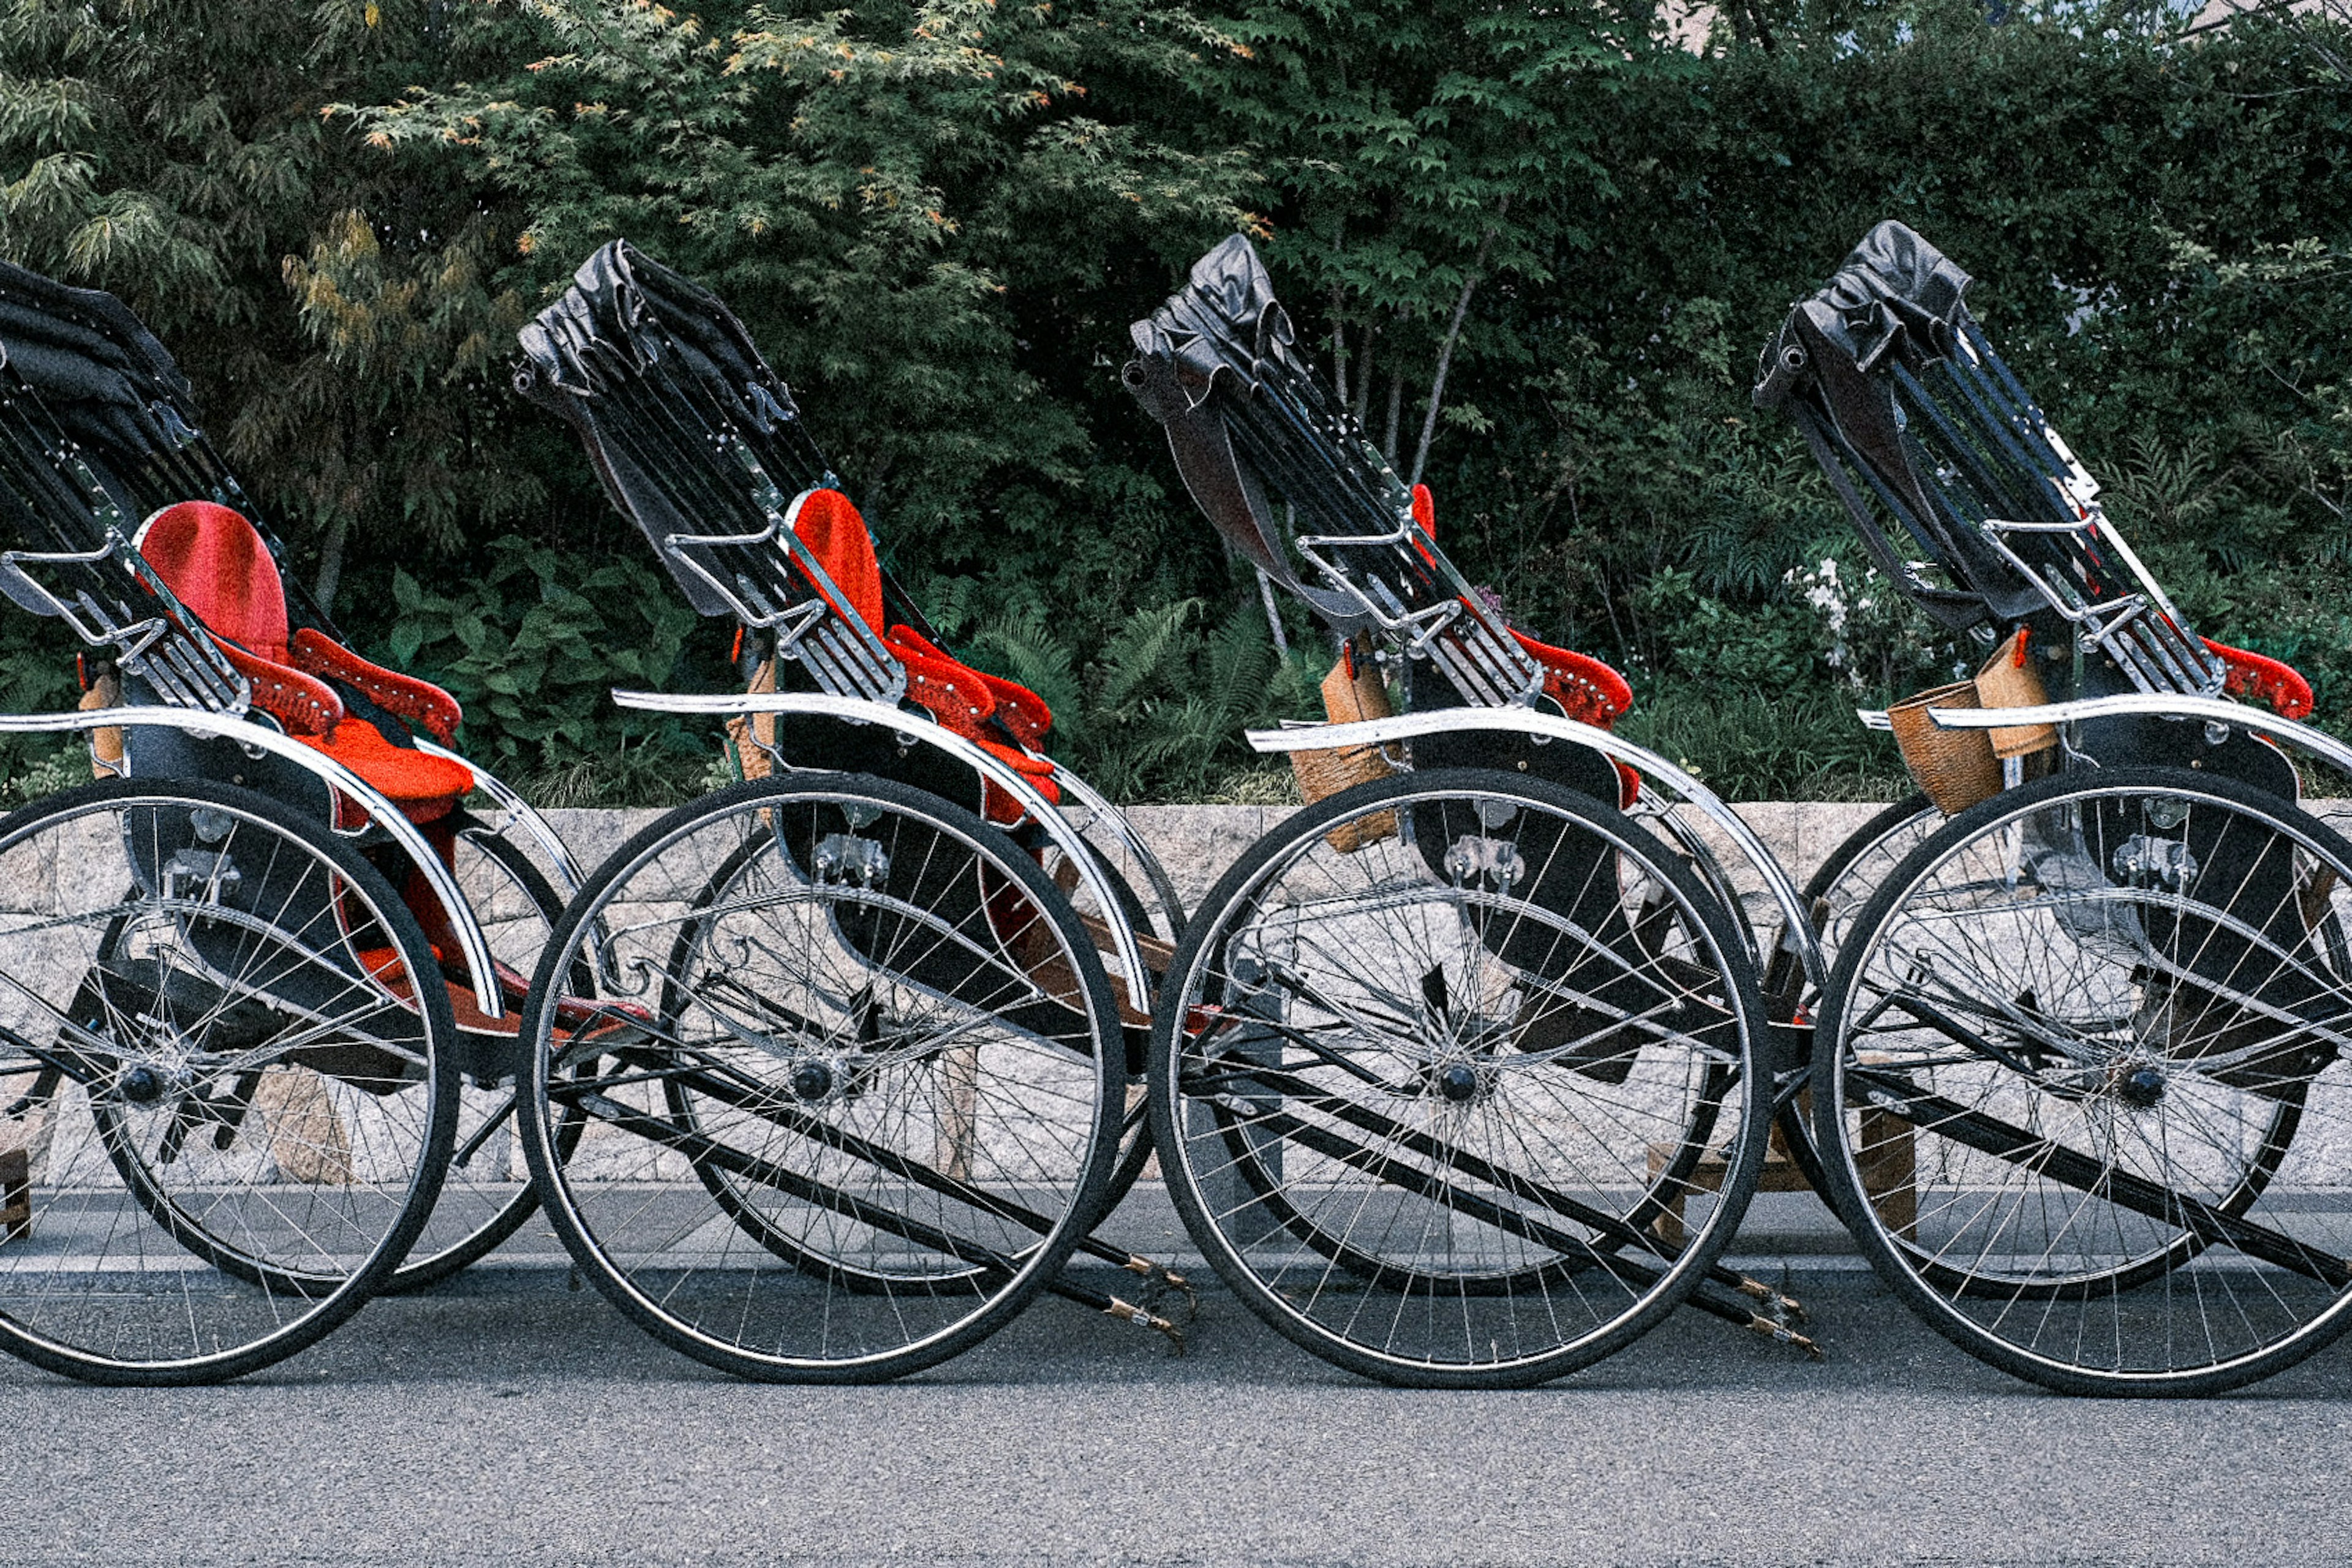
(836, 536)
(214, 560)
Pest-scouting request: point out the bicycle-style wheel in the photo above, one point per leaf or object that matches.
(851, 1078)
(2077, 1082)
(487, 1194)
(1833, 896)
(225, 1102)
(1435, 1071)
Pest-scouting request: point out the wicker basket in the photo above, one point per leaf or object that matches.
(1352, 691)
(1956, 767)
(106, 743)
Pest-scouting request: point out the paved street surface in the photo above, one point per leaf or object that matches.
(508, 1420)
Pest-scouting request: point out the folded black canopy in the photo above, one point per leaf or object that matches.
(99, 428)
(1841, 367)
(657, 376)
(113, 386)
(1925, 433)
(1218, 362)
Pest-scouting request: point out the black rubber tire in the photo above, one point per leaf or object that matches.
(1687, 1269)
(1899, 1263)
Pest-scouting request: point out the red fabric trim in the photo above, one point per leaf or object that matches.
(1424, 510)
(2251, 675)
(1586, 689)
(418, 702)
(212, 558)
(834, 532)
(305, 707)
(956, 696)
(1018, 709)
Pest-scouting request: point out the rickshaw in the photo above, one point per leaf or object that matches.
(1460, 1076)
(854, 1087)
(258, 981)
(2088, 996)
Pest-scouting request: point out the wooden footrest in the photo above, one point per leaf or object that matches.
(1888, 1162)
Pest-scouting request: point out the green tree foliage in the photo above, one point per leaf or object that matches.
(1543, 236)
(2154, 226)
(1424, 150)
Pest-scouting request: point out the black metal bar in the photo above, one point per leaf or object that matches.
(1929, 1113)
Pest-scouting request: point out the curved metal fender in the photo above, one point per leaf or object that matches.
(2157, 705)
(912, 729)
(542, 832)
(1654, 770)
(381, 811)
(1162, 888)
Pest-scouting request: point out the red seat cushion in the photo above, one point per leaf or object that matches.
(829, 525)
(963, 699)
(424, 787)
(214, 560)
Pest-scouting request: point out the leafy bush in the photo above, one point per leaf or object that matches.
(533, 649)
(1157, 712)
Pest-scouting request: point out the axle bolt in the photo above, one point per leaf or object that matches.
(811, 1081)
(1458, 1084)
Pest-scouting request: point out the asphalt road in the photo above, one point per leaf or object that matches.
(508, 1420)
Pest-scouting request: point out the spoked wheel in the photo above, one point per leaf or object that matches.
(1832, 897)
(487, 1193)
(2081, 1048)
(1157, 939)
(851, 1079)
(223, 1112)
(1423, 1092)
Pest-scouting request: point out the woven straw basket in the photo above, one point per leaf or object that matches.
(1351, 692)
(106, 743)
(1958, 768)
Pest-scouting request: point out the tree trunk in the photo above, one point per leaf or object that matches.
(1364, 374)
(1396, 406)
(1338, 350)
(1453, 336)
(1273, 613)
(330, 564)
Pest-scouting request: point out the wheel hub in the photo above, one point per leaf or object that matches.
(156, 1074)
(2140, 1087)
(142, 1085)
(812, 1082)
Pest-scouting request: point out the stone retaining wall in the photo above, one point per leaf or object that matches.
(1196, 843)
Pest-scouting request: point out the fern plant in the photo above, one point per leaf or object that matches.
(1157, 711)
